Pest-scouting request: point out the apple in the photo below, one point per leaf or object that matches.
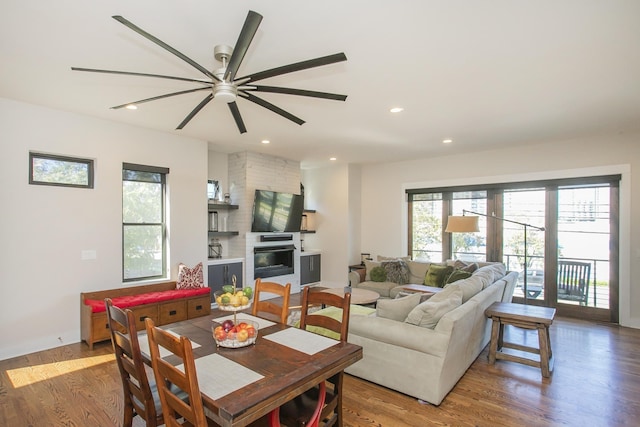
(227, 325)
(251, 331)
(242, 335)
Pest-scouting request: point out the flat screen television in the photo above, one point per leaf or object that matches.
(276, 212)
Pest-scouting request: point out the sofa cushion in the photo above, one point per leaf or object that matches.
(437, 275)
(98, 306)
(370, 265)
(190, 278)
(393, 258)
(428, 313)
(383, 288)
(457, 275)
(378, 274)
(491, 273)
(470, 287)
(465, 266)
(397, 271)
(417, 271)
(397, 309)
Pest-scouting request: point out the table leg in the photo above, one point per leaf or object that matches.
(543, 340)
(493, 347)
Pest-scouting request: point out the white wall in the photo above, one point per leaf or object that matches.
(383, 219)
(43, 229)
(327, 191)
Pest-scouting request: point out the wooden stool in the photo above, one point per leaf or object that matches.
(525, 317)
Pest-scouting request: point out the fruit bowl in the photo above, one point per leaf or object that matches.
(229, 301)
(230, 335)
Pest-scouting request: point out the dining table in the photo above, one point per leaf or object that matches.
(240, 385)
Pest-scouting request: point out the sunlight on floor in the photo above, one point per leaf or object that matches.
(32, 374)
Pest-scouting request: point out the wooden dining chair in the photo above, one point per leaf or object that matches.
(268, 306)
(140, 394)
(176, 410)
(294, 412)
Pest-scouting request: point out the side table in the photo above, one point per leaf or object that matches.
(525, 317)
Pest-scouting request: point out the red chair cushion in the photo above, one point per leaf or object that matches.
(98, 306)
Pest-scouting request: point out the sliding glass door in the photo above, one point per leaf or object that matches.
(562, 233)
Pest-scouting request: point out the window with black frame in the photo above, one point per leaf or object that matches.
(144, 248)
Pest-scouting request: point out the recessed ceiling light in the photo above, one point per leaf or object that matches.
(333, 159)
(447, 141)
(265, 141)
(396, 109)
(131, 107)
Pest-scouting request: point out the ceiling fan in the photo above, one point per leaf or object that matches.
(222, 83)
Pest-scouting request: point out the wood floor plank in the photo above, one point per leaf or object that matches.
(596, 382)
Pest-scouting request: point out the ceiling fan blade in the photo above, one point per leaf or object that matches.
(233, 107)
(271, 107)
(182, 92)
(300, 92)
(165, 46)
(130, 73)
(251, 24)
(311, 63)
(195, 111)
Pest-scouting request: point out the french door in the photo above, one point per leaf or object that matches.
(572, 264)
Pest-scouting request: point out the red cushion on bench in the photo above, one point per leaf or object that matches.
(98, 306)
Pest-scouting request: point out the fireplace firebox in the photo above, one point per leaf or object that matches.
(271, 261)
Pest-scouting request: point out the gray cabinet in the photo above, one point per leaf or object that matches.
(221, 274)
(309, 269)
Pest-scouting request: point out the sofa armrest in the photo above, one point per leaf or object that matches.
(399, 334)
(354, 278)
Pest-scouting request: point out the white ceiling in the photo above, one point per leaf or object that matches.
(487, 74)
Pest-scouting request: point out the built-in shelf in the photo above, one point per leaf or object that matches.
(221, 206)
(310, 221)
(224, 233)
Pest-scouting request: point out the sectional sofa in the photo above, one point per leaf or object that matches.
(423, 348)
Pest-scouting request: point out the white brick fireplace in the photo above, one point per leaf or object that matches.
(247, 172)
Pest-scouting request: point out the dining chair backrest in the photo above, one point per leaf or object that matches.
(314, 297)
(331, 413)
(137, 387)
(573, 281)
(169, 378)
(268, 306)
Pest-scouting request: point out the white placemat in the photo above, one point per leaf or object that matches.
(219, 376)
(144, 345)
(262, 323)
(297, 339)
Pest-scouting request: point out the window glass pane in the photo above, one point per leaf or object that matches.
(427, 227)
(142, 245)
(470, 246)
(59, 170)
(141, 202)
(528, 207)
(583, 236)
(143, 228)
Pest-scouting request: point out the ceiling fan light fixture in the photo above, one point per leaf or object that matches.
(131, 107)
(225, 92)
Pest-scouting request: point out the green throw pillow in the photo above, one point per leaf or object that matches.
(437, 275)
(378, 274)
(458, 275)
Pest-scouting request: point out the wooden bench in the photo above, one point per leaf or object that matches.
(94, 326)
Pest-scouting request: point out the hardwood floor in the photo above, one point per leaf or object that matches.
(595, 382)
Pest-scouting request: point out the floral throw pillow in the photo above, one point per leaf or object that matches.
(190, 278)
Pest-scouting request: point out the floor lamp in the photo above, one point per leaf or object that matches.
(469, 224)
